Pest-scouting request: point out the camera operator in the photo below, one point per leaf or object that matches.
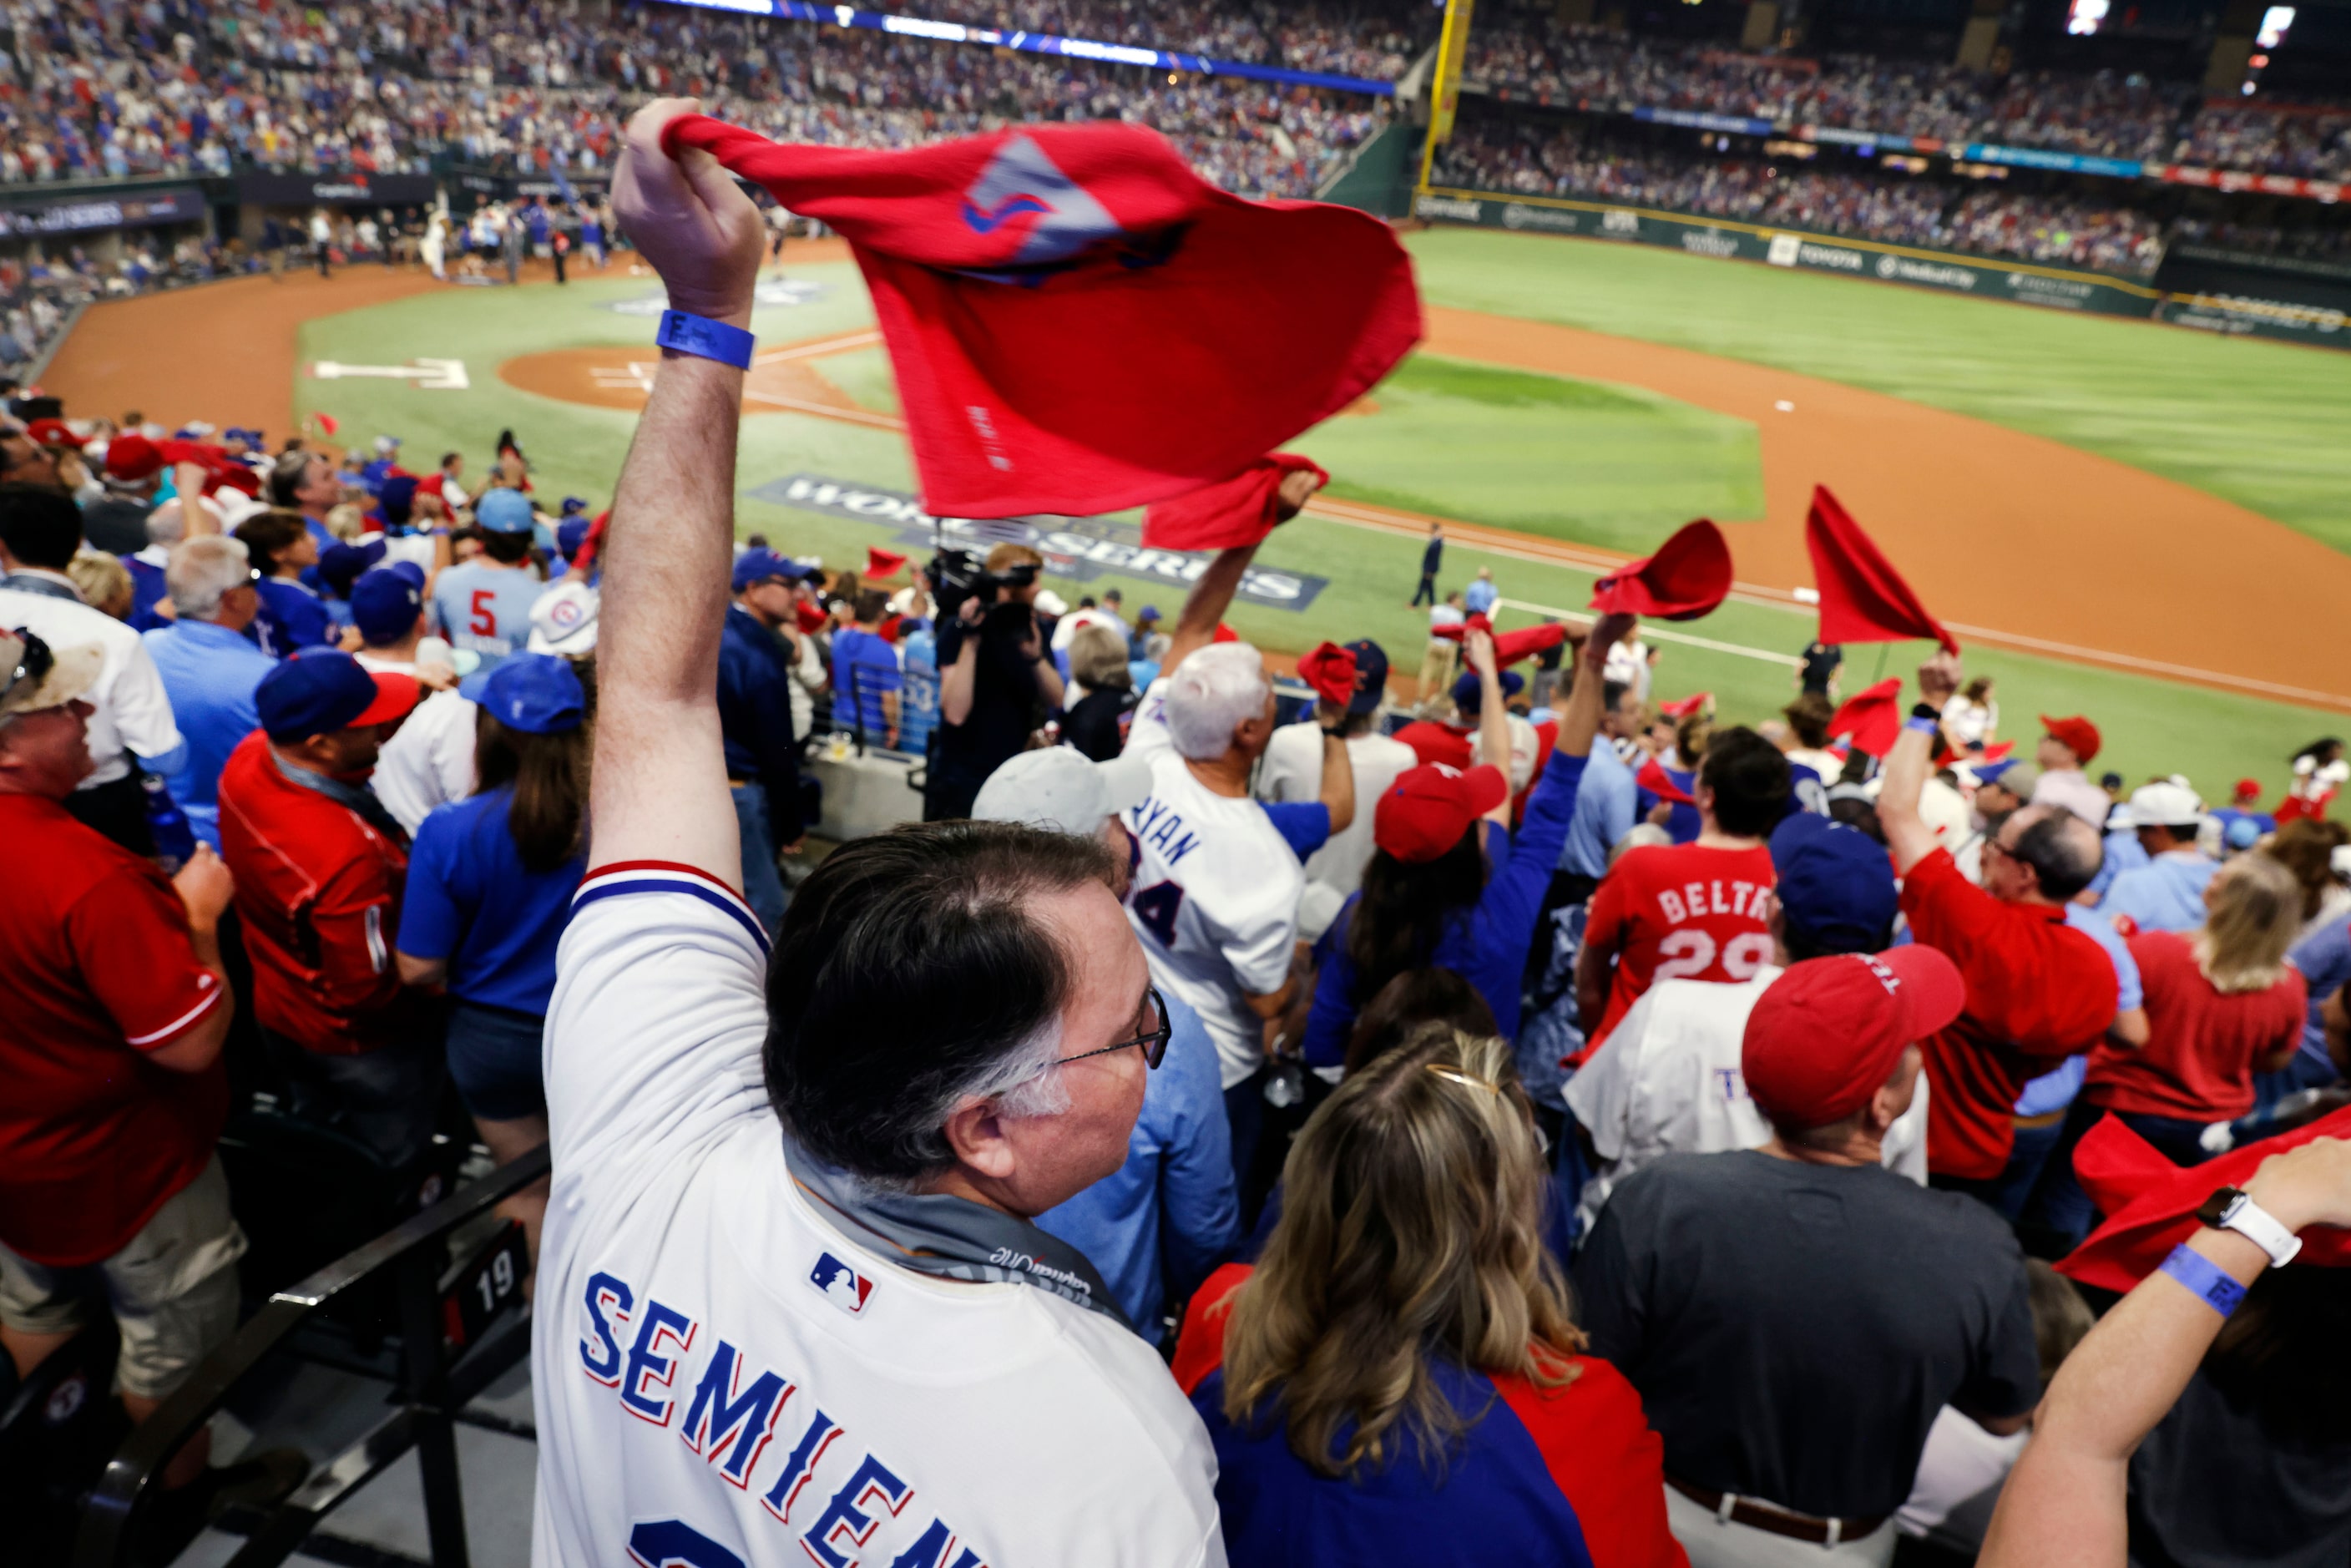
(996, 682)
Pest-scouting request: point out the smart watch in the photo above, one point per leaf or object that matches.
(2229, 1210)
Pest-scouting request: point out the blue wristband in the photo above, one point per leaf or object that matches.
(705, 339)
(1926, 726)
(2201, 1274)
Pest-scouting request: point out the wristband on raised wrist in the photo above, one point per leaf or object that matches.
(705, 339)
(2210, 1282)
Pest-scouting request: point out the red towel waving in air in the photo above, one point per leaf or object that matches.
(1078, 323)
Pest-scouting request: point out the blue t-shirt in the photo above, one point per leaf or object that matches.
(1604, 813)
(471, 900)
(1480, 596)
(918, 694)
(2165, 894)
(485, 609)
(2324, 959)
(864, 670)
(292, 618)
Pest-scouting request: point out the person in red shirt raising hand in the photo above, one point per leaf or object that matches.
(1698, 911)
(2038, 990)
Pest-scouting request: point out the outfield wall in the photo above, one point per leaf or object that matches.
(2211, 291)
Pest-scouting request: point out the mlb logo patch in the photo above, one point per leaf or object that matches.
(841, 1285)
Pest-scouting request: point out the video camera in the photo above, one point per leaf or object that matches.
(959, 574)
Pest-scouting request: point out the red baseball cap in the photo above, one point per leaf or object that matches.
(2248, 789)
(54, 433)
(1688, 576)
(1428, 809)
(132, 456)
(2078, 733)
(1827, 1034)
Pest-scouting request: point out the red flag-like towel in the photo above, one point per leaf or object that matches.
(1687, 707)
(1510, 647)
(1654, 778)
(1240, 510)
(1688, 576)
(1330, 671)
(1863, 598)
(329, 424)
(2151, 1203)
(1873, 719)
(1078, 323)
(880, 563)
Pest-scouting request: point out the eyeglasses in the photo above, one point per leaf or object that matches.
(33, 664)
(1154, 1042)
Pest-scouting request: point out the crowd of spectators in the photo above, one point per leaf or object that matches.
(1211, 1112)
(1905, 209)
(2103, 114)
(109, 91)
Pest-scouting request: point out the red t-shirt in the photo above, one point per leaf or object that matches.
(1679, 912)
(317, 888)
(96, 969)
(2038, 991)
(1591, 1434)
(2198, 1061)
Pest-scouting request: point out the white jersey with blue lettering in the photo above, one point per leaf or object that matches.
(1215, 897)
(723, 1380)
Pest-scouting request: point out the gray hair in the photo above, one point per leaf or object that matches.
(1025, 1083)
(1213, 693)
(168, 525)
(2064, 851)
(202, 570)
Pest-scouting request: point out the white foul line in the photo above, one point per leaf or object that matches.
(1651, 629)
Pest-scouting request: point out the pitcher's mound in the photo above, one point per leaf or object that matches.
(781, 380)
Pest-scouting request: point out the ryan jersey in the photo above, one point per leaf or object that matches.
(1215, 898)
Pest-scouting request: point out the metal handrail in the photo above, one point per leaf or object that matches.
(110, 1520)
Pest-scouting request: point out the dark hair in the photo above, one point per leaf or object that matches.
(286, 476)
(1749, 780)
(509, 549)
(2319, 748)
(449, 458)
(1405, 907)
(1810, 716)
(928, 927)
(1416, 997)
(1860, 815)
(548, 816)
(267, 536)
(2278, 1355)
(870, 603)
(1613, 693)
(2065, 862)
(2306, 847)
(41, 526)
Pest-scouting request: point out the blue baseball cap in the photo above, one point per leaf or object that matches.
(569, 536)
(575, 507)
(397, 499)
(384, 605)
(1370, 676)
(1835, 883)
(538, 693)
(411, 570)
(1468, 695)
(758, 565)
(323, 691)
(504, 512)
(340, 564)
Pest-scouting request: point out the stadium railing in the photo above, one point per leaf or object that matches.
(476, 1295)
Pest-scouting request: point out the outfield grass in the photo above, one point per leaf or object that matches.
(2254, 422)
(1582, 461)
(2152, 727)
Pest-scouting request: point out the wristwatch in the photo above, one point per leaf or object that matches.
(2229, 1210)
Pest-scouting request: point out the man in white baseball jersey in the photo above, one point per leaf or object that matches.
(791, 1306)
(1217, 881)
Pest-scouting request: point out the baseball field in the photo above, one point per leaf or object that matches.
(2118, 518)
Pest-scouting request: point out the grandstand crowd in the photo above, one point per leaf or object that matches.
(1515, 1114)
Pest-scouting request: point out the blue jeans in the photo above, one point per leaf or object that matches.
(763, 887)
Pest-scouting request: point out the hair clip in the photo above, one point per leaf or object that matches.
(1461, 1078)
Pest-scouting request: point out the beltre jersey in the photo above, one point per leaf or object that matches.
(721, 1379)
(1215, 898)
(485, 609)
(1680, 913)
